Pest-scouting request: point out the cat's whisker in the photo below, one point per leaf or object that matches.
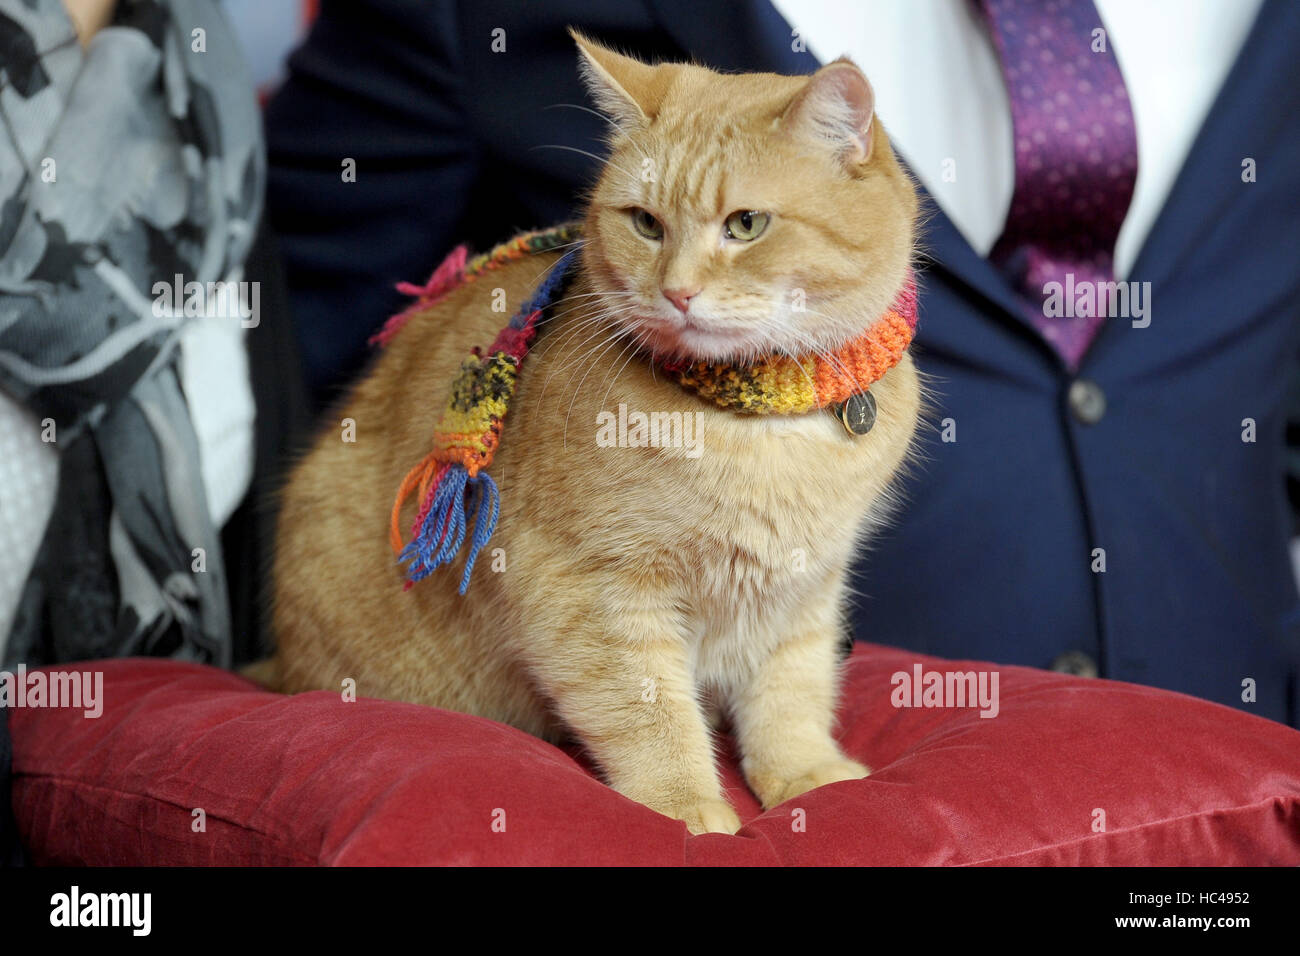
(607, 336)
(826, 355)
(601, 325)
(614, 339)
(780, 349)
(631, 344)
(567, 245)
(633, 349)
(593, 295)
(585, 152)
(580, 305)
(601, 295)
(594, 326)
(599, 314)
(577, 357)
(807, 346)
(608, 119)
(587, 109)
(611, 379)
(555, 316)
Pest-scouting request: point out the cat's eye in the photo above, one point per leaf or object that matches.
(647, 225)
(746, 225)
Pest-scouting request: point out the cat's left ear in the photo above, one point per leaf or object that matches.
(835, 108)
(621, 86)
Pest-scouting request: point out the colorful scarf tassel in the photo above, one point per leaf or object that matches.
(443, 519)
(450, 482)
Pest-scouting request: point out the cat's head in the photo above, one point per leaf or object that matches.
(743, 214)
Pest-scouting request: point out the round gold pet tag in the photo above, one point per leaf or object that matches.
(858, 413)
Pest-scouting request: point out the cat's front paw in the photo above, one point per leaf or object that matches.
(707, 816)
(702, 812)
(777, 789)
(703, 815)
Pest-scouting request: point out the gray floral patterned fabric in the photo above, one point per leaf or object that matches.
(123, 165)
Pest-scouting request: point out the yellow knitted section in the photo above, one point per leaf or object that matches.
(470, 427)
(778, 385)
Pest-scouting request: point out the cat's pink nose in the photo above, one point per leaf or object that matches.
(681, 297)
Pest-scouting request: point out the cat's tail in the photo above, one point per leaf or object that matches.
(265, 672)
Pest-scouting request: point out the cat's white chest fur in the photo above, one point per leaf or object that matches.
(782, 503)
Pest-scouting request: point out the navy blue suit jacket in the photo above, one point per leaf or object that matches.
(993, 556)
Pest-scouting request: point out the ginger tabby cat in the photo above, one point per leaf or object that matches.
(640, 585)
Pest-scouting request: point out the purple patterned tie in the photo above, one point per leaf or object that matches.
(1076, 159)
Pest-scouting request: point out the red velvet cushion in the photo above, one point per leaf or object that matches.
(312, 779)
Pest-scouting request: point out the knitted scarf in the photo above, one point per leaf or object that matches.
(451, 484)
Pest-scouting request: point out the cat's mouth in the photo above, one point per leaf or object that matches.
(690, 337)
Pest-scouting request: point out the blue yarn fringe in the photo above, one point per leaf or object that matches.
(441, 535)
(458, 496)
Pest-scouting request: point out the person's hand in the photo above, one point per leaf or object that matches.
(89, 16)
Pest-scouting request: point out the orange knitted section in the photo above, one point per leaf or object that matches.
(863, 361)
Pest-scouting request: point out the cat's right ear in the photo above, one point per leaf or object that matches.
(836, 108)
(619, 84)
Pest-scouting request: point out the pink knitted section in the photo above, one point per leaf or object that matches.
(446, 277)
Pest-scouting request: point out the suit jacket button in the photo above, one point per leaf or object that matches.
(1075, 662)
(1087, 401)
